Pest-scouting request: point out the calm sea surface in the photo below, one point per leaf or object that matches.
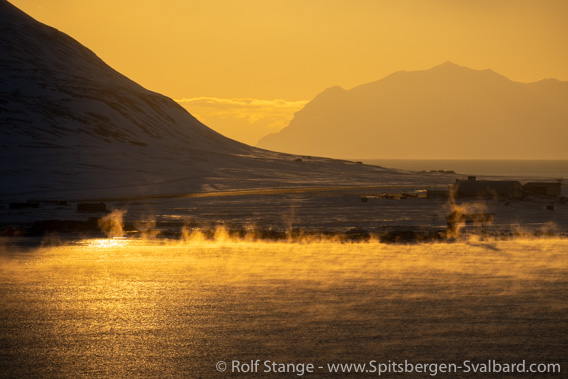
(553, 169)
(114, 308)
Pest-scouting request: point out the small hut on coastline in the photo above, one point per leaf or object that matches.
(543, 189)
(487, 189)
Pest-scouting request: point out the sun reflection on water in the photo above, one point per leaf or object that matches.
(114, 307)
(106, 243)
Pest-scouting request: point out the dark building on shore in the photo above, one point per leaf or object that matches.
(486, 189)
(543, 189)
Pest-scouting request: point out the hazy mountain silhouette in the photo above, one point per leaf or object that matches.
(72, 126)
(448, 111)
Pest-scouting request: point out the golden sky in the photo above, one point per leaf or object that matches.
(244, 119)
(265, 50)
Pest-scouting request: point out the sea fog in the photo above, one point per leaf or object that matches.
(158, 308)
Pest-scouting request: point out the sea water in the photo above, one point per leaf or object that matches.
(122, 308)
(552, 169)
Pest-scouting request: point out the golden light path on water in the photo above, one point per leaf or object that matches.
(116, 307)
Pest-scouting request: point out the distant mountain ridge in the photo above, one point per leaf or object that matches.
(448, 111)
(74, 128)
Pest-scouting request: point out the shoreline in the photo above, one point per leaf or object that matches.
(220, 234)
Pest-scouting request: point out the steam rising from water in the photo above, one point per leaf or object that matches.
(239, 258)
(172, 308)
(112, 224)
(147, 228)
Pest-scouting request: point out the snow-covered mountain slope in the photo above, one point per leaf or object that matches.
(446, 112)
(66, 114)
(71, 126)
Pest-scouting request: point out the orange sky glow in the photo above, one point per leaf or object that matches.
(283, 53)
